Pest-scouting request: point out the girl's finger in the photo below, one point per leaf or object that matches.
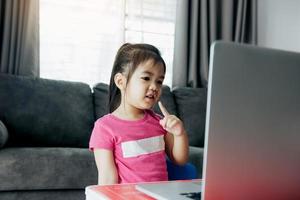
(163, 109)
(171, 123)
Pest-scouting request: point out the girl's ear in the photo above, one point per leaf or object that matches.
(120, 81)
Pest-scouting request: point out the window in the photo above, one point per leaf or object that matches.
(79, 38)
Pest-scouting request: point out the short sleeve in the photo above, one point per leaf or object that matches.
(101, 137)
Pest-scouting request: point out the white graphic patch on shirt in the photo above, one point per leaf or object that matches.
(143, 146)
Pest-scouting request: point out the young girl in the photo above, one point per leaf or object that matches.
(131, 142)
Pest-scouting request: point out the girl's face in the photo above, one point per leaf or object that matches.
(144, 87)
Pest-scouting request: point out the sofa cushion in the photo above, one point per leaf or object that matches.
(43, 194)
(26, 168)
(191, 108)
(101, 100)
(3, 134)
(42, 112)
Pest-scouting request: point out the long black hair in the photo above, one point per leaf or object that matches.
(128, 57)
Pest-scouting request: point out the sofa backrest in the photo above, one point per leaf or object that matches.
(191, 109)
(101, 100)
(42, 112)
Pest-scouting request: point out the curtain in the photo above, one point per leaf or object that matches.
(201, 22)
(19, 37)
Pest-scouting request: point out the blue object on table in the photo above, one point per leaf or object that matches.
(181, 172)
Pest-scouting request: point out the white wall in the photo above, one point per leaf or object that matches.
(279, 24)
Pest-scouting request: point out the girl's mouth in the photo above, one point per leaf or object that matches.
(150, 96)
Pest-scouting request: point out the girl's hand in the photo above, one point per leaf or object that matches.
(171, 123)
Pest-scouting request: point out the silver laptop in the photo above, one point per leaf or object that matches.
(252, 147)
(172, 190)
(252, 136)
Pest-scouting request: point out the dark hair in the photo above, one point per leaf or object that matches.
(128, 57)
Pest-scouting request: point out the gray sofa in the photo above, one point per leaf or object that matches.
(45, 127)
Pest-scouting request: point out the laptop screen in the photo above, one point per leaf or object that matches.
(252, 142)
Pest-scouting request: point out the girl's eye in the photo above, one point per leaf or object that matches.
(159, 82)
(146, 78)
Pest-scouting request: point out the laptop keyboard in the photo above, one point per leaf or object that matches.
(192, 195)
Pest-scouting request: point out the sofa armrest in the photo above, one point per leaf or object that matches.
(196, 158)
(3, 134)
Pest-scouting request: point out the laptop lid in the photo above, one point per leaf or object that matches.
(173, 190)
(252, 147)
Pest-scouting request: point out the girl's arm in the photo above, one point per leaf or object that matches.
(107, 171)
(177, 148)
(177, 145)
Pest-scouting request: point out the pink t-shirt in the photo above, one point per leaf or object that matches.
(138, 146)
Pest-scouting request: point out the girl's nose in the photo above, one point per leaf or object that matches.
(153, 86)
